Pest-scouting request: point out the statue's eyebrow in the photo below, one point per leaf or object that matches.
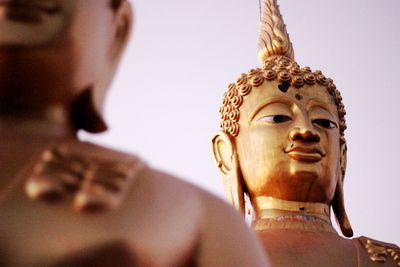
(315, 103)
(277, 99)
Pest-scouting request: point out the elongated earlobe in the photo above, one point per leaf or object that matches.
(338, 200)
(226, 159)
(84, 114)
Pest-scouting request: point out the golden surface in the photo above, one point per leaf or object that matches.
(283, 131)
(381, 252)
(275, 213)
(57, 59)
(267, 203)
(274, 39)
(282, 145)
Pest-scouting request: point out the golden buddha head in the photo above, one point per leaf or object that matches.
(282, 129)
(73, 48)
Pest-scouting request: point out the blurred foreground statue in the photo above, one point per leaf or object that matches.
(69, 203)
(282, 144)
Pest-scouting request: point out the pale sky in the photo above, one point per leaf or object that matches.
(164, 102)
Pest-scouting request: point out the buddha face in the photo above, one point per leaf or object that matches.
(70, 45)
(288, 144)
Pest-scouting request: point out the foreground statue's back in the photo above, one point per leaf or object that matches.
(64, 202)
(282, 143)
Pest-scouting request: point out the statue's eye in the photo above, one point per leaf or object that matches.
(324, 123)
(275, 118)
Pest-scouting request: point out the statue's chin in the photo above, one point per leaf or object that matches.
(304, 171)
(304, 176)
(303, 186)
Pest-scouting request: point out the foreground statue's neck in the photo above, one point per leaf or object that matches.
(50, 122)
(274, 213)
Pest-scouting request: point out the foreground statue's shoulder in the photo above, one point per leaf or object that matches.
(224, 232)
(205, 218)
(379, 252)
(142, 212)
(93, 177)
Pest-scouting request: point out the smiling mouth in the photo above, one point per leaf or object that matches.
(30, 11)
(305, 154)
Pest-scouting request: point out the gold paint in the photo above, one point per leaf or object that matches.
(288, 153)
(282, 221)
(275, 213)
(381, 252)
(395, 254)
(281, 155)
(274, 39)
(297, 158)
(281, 69)
(265, 203)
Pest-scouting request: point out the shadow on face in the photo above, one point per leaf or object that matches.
(58, 48)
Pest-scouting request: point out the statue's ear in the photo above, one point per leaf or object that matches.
(226, 158)
(338, 199)
(343, 160)
(123, 25)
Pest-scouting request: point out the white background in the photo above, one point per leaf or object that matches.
(165, 99)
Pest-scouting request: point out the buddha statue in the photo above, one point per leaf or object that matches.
(281, 152)
(64, 202)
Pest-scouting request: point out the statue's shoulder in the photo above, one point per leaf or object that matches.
(95, 194)
(92, 177)
(378, 251)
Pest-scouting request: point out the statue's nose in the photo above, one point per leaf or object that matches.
(304, 135)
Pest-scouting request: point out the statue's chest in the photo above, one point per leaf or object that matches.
(312, 249)
(291, 248)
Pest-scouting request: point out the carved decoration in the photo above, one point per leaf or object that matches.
(277, 56)
(380, 253)
(90, 183)
(253, 165)
(274, 39)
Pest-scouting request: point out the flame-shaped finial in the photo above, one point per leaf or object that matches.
(274, 39)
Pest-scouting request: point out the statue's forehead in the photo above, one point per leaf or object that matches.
(302, 97)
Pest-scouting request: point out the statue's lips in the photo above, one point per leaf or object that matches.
(28, 10)
(306, 154)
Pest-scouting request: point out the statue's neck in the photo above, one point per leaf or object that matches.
(274, 213)
(53, 121)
